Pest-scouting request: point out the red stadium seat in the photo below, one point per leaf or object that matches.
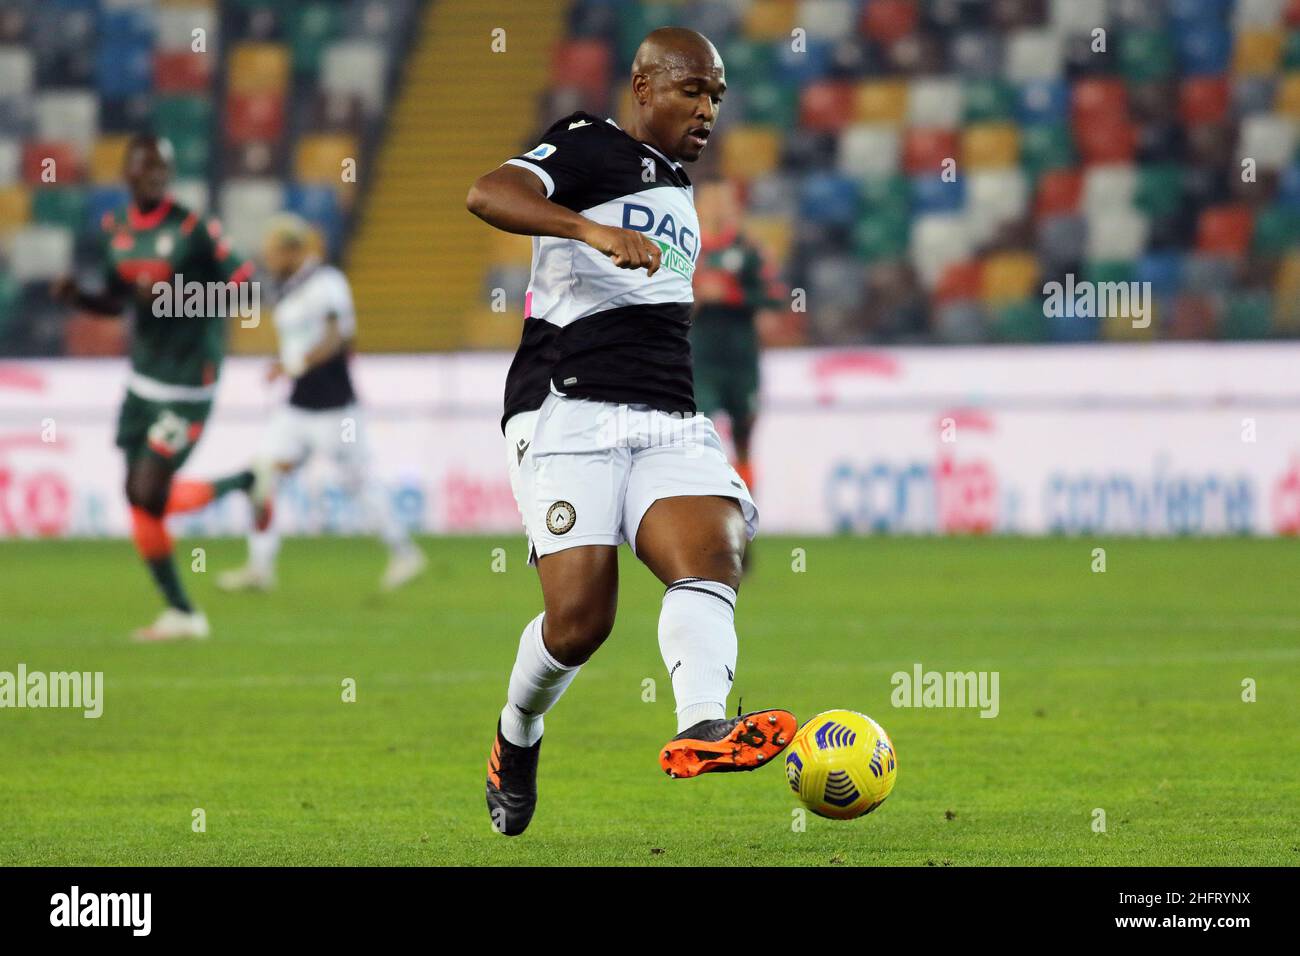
(1058, 193)
(583, 64)
(959, 282)
(1194, 317)
(1106, 139)
(1225, 230)
(886, 21)
(1203, 99)
(67, 166)
(182, 72)
(827, 106)
(1100, 96)
(924, 150)
(251, 117)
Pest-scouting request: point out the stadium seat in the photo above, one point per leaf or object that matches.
(1277, 229)
(1061, 241)
(774, 195)
(1247, 315)
(259, 68)
(1146, 55)
(989, 146)
(1042, 101)
(319, 205)
(1286, 295)
(244, 207)
(1207, 273)
(1009, 277)
(182, 72)
(192, 194)
(806, 65)
(62, 206)
(1203, 99)
(888, 21)
(64, 159)
(1288, 189)
(826, 19)
(750, 151)
(989, 100)
(925, 150)
(11, 161)
(1098, 97)
(959, 282)
(829, 199)
(357, 67)
(106, 159)
(868, 149)
(959, 323)
(932, 194)
(101, 200)
(1021, 321)
(582, 64)
(1288, 96)
(771, 104)
(1203, 49)
(123, 68)
(254, 117)
(935, 103)
(17, 72)
(836, 280)
(15, 208)
(1258, 13)
(313, 26)
(1106, 139)
(1162, 269)
(1194, 316)
(1109, 186)
(1224, 231)
(937, 241)
(881, 101)
(1119, 233)
(994, 197)
(68, 116)
(176, 26)
(826, 106)
(1258, 52)
(320, 157)
(1268, 139)
(764, 20)
(40, 253)
(1058, 193)
(1033, 54)
(976, 54)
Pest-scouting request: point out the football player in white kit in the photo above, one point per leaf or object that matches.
(315, 323)
(603, 441)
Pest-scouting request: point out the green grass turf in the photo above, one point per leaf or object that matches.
(1119, 691)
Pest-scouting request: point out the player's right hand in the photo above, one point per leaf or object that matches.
(274, 371)
(627, 248)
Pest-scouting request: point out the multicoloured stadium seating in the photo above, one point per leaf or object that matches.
(263, 100)
(1114, 155)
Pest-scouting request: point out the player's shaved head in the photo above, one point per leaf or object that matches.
(148, 168)
(678, 80)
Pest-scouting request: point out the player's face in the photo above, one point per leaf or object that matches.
(147, 174)
(278, 258)
(682, 103)
(717, 206)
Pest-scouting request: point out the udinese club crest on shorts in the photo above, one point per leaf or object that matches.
(560, 517)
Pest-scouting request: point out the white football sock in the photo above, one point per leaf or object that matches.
(263, 547)
(697, 638)
(536, 683)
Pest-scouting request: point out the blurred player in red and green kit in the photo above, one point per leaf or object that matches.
(732, 284)
(175, 359)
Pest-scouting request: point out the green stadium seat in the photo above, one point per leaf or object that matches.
(1045, 146)
(772, 103)
(193, 153)
(748, 62)
(173, 115)
(1159, 190)
(1277, 230)
(59, 206)
(881, 234)
(989, 100)
(1249, 315)
(1146, 55)
(1019, 322)
(313, 26)
(1291, 51)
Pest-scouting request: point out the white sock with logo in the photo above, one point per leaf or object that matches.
(697, 638)
(536, 683)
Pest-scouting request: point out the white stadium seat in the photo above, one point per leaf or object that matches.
(1109, 186)
(39, 253)
(938, 240)
(1033, 55)
(246, 205)
(1116, 234)
(68, 116)
(1267, 138)
(993, 197)
(935, 102)
(868, 149)
(358, 67)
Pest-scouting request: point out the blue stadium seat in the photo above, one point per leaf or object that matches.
(102, 199)
(320, 206)
(1203, 50)
(124, 67)
(829, 198)
(932, 194)
(1042, 101)
(812, 64)
(1164, 270)
(1288, 187)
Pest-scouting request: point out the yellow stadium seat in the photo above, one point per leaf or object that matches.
(1286, 295)
(15, 208)
(259, 68)
(1257, 52)
(772, 235)
(990, 146)
(1008, 277)
(770, 20)
(880, 101)
(1288, 96)
(749, 151)
(1119, 328)
(320, 158)
(106, 159)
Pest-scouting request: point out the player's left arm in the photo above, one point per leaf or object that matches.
(340, 325)
(222, 261)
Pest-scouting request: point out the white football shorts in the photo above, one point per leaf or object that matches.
(586, 472)
(295, 434)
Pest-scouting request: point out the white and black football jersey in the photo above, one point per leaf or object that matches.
(304, 306)
(591, 329)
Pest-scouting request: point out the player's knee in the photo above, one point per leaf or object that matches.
(146, 492)
(574, 629)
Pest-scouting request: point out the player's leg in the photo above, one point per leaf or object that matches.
(689, 517)
(157, 438)
(580, 595)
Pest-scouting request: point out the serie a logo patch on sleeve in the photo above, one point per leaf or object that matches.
(541, 151)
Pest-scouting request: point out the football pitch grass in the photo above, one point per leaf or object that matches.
(1120, 692)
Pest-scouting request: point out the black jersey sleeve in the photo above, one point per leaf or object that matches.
(569, 159)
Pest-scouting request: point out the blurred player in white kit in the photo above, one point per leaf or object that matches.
(315, 322)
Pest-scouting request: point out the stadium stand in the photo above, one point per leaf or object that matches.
(920, 167)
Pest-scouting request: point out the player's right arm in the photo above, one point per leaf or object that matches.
(513, 199)
(117, 293)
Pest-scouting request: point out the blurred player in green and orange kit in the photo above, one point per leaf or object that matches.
(175, 360)
(733, 283)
